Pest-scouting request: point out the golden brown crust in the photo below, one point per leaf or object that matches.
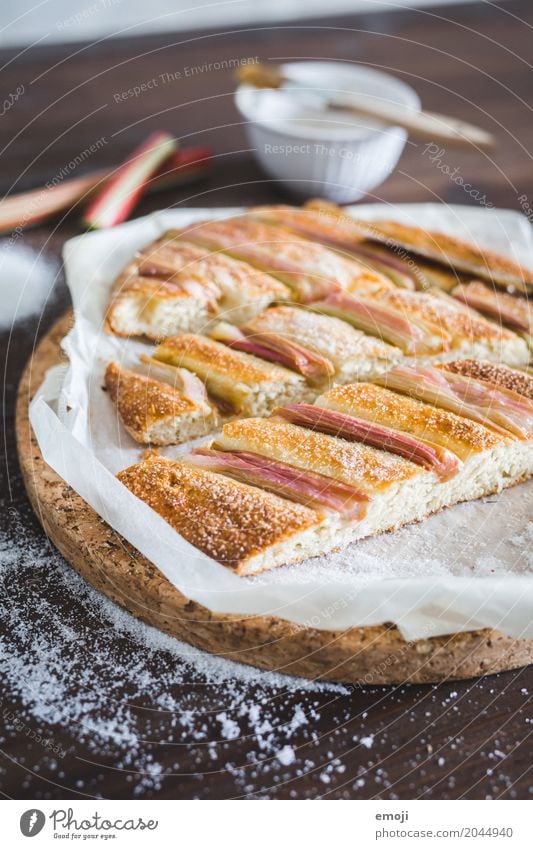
(300, 263)
(173, 269)
(460, 435)
(513, 311)
(450, 251)
(351, 462)
(228, 521)
(213, 270)
(208, 359)
(142, 402)
(461, 324)
(500, 375)
(324, 334)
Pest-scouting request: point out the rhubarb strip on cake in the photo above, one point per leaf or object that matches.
(309, 269)
(495, 407)
(512, 311)
(375, 316)
(468, 334)
(354, 354)
(243, 383)
(433, 457)
(276, 348)
(313, 489)
(243, 527)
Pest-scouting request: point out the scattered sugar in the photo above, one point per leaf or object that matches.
(26, 282)
(139, 683)
(127, 692)
(286, 755)
(230, 729)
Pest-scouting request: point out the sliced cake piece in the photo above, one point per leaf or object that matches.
(354, 355)
(374, 315)
(242, 383)
(512, 311)
(314, 489)
(495, 407)
(441, 248)
(469, 333)
(174, 286)
(309, 269)
(244, 528)
(216, 496)
(354, 463)
(334, 228)
(157, 411)
(378, 405)
(499, 375)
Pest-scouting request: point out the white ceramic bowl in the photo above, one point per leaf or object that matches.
(336, 157)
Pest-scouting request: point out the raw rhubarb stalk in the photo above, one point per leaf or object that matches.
(376, 319)
(129, 182)
(499, 409)
(305, 487)
(182, 167)
(439, 460)
(28, 209)
(274, 348)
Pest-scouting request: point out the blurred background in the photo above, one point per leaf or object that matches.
(24, 21)
(86, 82)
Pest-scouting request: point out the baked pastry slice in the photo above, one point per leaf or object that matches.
(362, 460)
(353, 354)
(497, 374)
(239, 383)
(160, 409)
(512, 311)
(309, 269)
(174, 286)
(431, 326)
(244, 528)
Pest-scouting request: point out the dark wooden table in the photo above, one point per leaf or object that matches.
(461, 740)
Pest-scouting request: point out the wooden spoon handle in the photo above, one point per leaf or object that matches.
(430, 126)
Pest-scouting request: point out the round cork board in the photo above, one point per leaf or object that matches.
(370, 655)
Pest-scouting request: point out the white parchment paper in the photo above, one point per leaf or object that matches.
(470, 566)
